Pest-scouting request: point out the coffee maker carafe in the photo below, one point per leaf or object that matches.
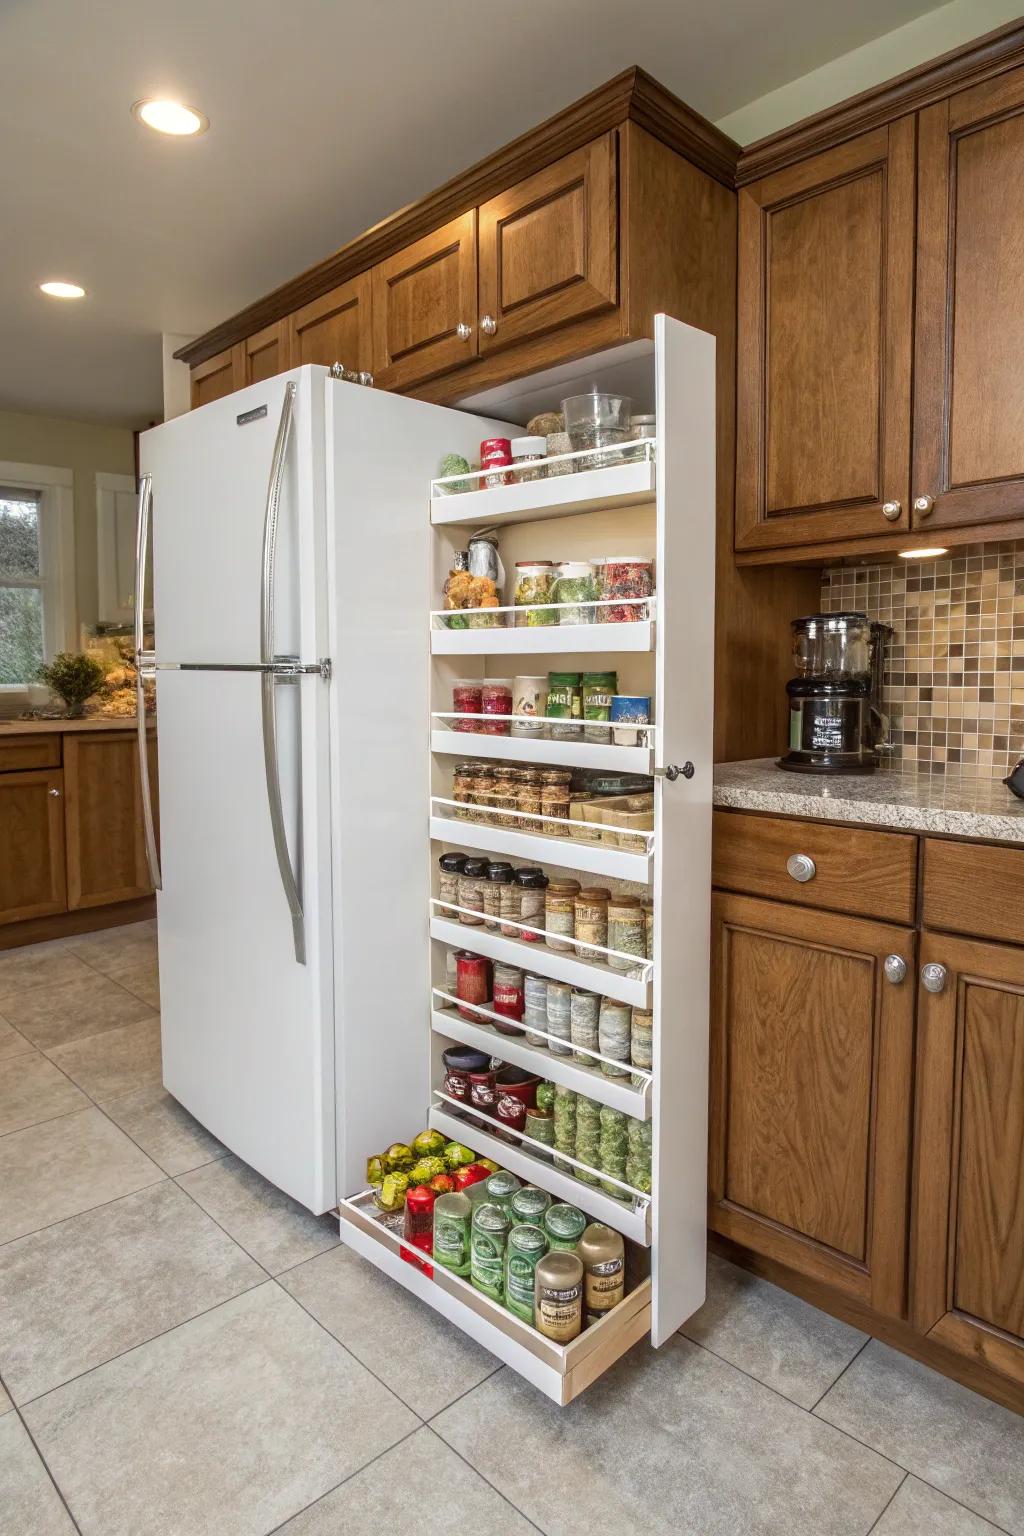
(836, 724)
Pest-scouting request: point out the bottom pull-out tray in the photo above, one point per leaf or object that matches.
(562, 1371)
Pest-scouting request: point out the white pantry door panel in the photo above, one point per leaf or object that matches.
(211, 470)
(247, 1037)
(685, 383)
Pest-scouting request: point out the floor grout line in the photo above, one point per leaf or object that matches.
(65, 1114)
(500, 1366)
(45, 1464)
(482, 1476)
(327, 1493)
(874, 1524)
(839, 1378)
(199, 1207)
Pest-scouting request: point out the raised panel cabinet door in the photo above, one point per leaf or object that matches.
(335, 328)
(825, 296)
(969, 336)
(218, 376)
(967, 1254)
(811, 1063)
(549, 247)
(106, 854)
(32, 880)
(266, 353)
(424, 306)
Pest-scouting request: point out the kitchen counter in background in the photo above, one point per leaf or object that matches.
(62, 724)
(952, 805)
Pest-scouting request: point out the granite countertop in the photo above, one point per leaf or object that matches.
(954, 805)
(61, 724)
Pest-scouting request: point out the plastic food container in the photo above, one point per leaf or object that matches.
(534, 580)
(598, 421)
(624, 576)
(466, 700)
(574, 583)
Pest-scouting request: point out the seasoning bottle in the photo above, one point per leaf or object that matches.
(588, 1138)
(554, 800)
(558, 1297)
(603, 1256)
(591, 919)
(626, 931)
(564, 1226)
(471, 891)
(526, 1245)
(528, 799)
(482, 792)
(418, 1228)
(565, 1125)
(535, 1010)
(641, 1042)
(452, 1215)
(584, 1010)
(539, 1125)
(529, 1204)
(488, 1236)
(532, 885)
(501, 1186)
(462, 788)
(559, 913)
(614, 1035)
(472, 982)
(648, 907)
(498, 874)
(450, 866)
(560, 1020)
(526, 451)
(565, 705)
(506, 796)
(508, 996)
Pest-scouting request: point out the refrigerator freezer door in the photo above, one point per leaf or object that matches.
(248, 1040)
(211, 472)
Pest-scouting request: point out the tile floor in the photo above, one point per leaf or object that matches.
(184, 1351)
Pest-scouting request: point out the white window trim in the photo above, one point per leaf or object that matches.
(56, 553)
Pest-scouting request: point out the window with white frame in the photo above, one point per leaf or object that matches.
(36, 555)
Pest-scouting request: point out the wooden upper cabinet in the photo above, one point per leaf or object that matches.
(969, 386)
(826, 270)
(966, 1274)
(217, 377)
(421, 298)
(32, 882)
(335, 328)
(549, 247)
(265, 354)
(811, 1070)
(106, 854)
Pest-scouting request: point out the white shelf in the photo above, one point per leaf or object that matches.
(535, 848)
(533, 749)
(616, 1092)
(561, 1371)
(543, 961)
(631, 1221)
(589, 490)
(545, 639)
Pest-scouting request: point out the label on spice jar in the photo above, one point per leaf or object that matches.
(605, 1285)
(559, 1313)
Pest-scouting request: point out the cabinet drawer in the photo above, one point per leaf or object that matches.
(868, 873)
(22, 752)
(969, 888)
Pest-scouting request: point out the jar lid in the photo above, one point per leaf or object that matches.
(625, 901)
(503, 1184)
(496, 682)
(564, 679)
(475, 867)
(522, 445)
(565, 1221)
(595, 893)
(645, 419)
(563, 887)
(622, 560)
(467, 682)
(488, 1217)
(575, 568)
(495, 444)
(556, 775)
(534, 565)
(534, 879)
(468, 767)
(498, 869)
(527, 1238)
(601, 680)
(452, 863)
(465, 1059)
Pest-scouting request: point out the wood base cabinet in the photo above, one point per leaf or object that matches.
(811, 1077)
(106, 852)
(967, 1251)
(32, 880)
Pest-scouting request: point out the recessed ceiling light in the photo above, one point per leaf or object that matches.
(922, 554)
(170, 117)
(63, 290)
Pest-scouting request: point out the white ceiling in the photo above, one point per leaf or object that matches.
(325, 117)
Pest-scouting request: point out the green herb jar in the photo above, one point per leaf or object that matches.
(452, 1215)
(564, 1225)
(528, 1205)
(525, 1247)
(490, 1229)
(501, 1186)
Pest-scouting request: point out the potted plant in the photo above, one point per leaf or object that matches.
(74, 678)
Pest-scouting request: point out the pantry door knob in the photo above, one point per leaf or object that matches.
(895, 968)
(55, 793)
(366, 378)
(801, 867)
(891, 510)
(488, 325)
(924, 505)
(463, 331)
(933, 977)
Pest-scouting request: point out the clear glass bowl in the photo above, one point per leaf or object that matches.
(598, 421)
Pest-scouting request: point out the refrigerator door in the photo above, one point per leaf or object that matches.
(211, 472)
(248, 1039)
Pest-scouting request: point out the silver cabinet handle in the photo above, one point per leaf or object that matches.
(933, 977)
(488, 325)
(463, 331)
(145, 790)
(891, 510)
(895, 969)
(800, 866)
(923, 505)
(55, 793)
(292, 893)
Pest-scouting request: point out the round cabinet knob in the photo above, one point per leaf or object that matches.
(801, 867)
(55, 793)
(366, 378)
(463, 331)
(933, 977)
(923, 505)
(891, 510)
(895, 968)
(488, 325)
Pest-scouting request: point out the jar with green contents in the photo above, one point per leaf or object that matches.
(529, 1204)
(546, 1095)
(565, 1125)
(588, 1138)
(533, 585)
(565, 705)
(452, 1216)
(540, 1126)
(501, 1186)
(564, 1225)
(489, 1235)
(614, 1141)
(575, 585)
(626, 932)
(525, 1246)
(638, 1155)
(598, 689)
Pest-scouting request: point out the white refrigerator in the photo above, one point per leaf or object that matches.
(291, 572)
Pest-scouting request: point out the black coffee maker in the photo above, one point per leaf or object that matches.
(836, 723)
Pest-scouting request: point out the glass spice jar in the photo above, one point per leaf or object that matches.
(648, 907)
(528, 799)
(462, 788)
(641, 1042)
(483, 1093)
(614, 1025)
(532, 885)
(473, 983)
(450, 867)
(626, 932)
(533, 587)
(471, 891)
(482, 793)
(540, 1126)
(508, 996)
(624, 576)
(496, 700)
(528, 454)
(466, 700)
(591, 919)
(559, 913)
(560, 1019)
(506, 796)
(535, 1010)
(584, 1012)
(498, 874)
(554, 799)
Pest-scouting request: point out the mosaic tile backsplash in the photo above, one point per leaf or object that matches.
(954, 677)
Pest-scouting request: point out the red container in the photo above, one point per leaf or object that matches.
(482, 1093)
(419, 1224)
(510, 1112)
(467, 699)
(472, 982)
(517, 1084)
(495, 448)
(495, 699)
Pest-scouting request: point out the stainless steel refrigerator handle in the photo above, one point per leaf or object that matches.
(267, 679)
(146, 794)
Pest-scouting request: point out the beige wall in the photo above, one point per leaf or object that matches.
(949, 26)
(84, 448)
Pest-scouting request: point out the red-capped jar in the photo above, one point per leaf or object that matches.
(419, 1224)
(472, 982)
(467, 700)
(496, 699)
(482, 1092)
(510, 1112)
(496, 456)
